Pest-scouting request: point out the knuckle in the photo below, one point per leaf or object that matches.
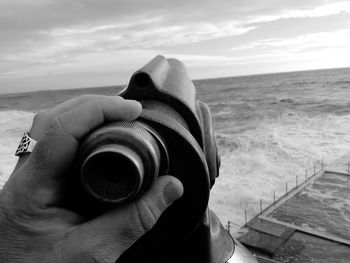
(92, 98)
(40, 116)
(43, 149)
(41, 119)
(88, 97)
(146, 215)
(97, 99)
(54, 130)
(61, 125)
(54, 126)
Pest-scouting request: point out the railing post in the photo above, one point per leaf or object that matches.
(260, 206)
(296, 181)
(245, 216)
(274, 197)
(286, 188)
(348, 168)
(228, 226)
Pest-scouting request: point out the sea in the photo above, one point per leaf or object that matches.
(272, 131)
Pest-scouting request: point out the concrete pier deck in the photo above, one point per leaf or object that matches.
(309, 224)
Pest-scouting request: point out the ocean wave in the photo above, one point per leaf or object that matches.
(12, 126)
(340, 108)
(287, 101)
(341, 82)
(304, 83)
(259, 161)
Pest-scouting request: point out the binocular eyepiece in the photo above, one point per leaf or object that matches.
(122, 159)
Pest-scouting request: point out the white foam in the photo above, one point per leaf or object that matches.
(261, 160)
(12, 126)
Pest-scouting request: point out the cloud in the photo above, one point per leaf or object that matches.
(186, 34)
(123, 60)
(309, 51)
(48, 37)
(91, 29)
(318, 11)
(323, 46)
(62, 46)
(335, 39)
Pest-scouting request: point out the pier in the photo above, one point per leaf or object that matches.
(310, 223)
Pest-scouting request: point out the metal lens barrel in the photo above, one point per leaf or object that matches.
(120, 160)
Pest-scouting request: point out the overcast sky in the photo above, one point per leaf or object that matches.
(53, 44)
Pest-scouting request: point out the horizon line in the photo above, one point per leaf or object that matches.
(193, 80)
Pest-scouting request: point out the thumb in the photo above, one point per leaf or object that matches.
(121, 227)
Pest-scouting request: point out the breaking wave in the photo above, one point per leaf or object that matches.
(259, 161)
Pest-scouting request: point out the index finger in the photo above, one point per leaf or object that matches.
(57, 148)
(89, 115)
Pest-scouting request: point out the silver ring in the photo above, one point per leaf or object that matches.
(26, 145)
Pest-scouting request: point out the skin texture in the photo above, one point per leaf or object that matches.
(34, 228)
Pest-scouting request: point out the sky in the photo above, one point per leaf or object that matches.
(61, 44)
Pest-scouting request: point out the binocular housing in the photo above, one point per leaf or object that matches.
(119, 161)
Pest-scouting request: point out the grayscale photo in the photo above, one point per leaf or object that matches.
(175, 131)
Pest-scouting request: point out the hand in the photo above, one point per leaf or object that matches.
(33, 228)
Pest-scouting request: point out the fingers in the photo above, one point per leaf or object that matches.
(56, 149)
(42, 119)
(60, 142)
(120, 228)
(81, 120)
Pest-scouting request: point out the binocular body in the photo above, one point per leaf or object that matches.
(119, 161)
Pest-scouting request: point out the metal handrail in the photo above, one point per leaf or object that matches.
(287, 192)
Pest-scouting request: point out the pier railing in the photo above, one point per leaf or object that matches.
(299, 180)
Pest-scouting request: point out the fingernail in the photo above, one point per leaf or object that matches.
(172, 191)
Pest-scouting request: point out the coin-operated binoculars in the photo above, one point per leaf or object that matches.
(119, 161)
